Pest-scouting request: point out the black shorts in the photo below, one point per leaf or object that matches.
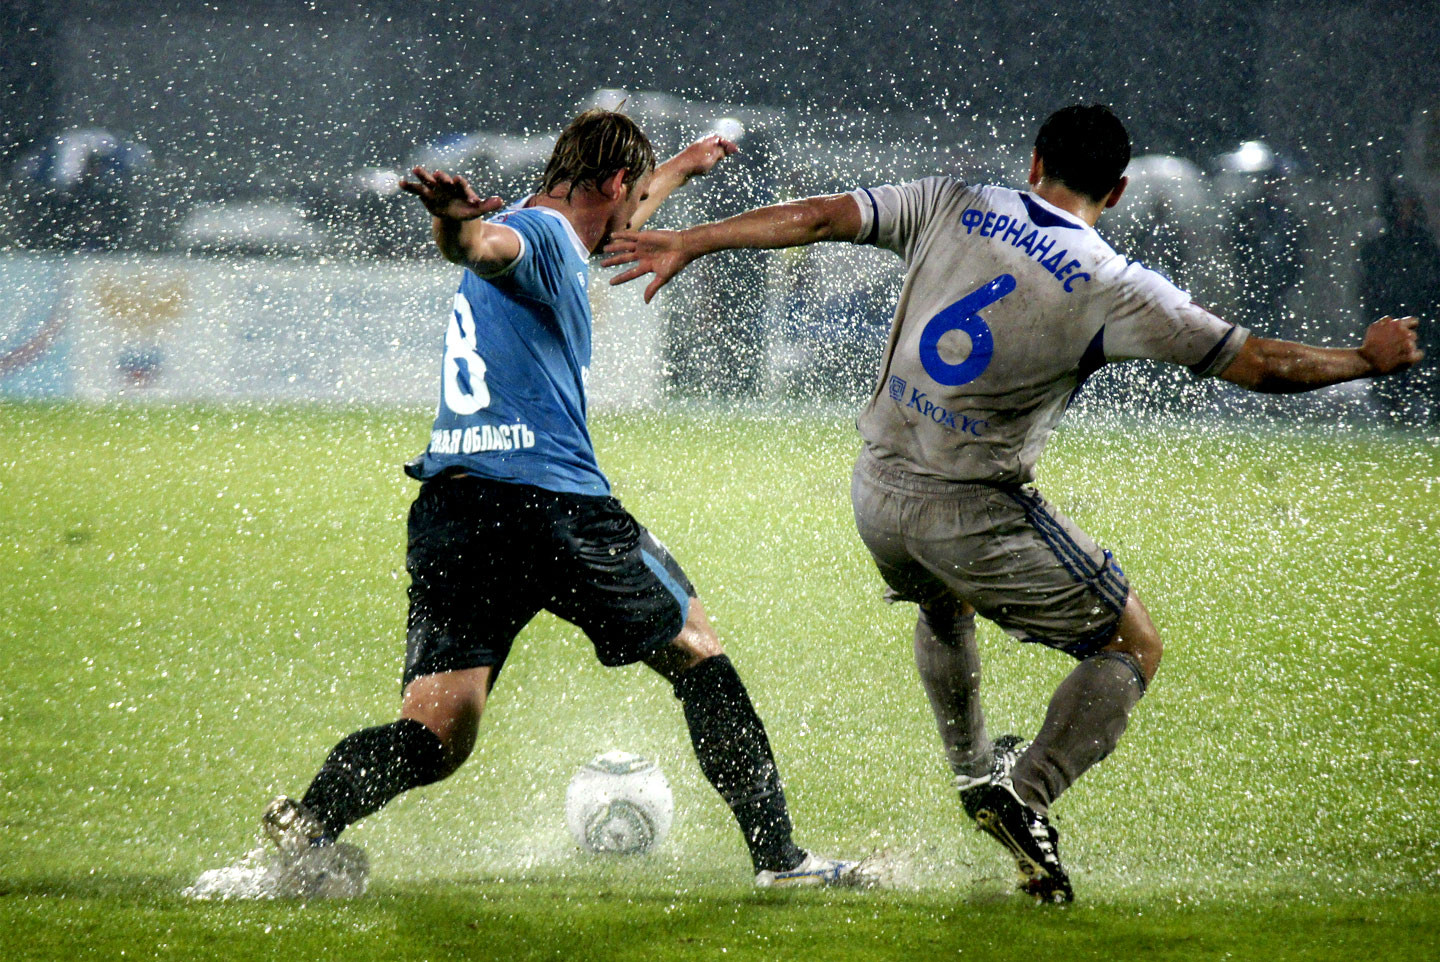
(485, 557)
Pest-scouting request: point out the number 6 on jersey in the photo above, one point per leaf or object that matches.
(465, 390)
(963, 315)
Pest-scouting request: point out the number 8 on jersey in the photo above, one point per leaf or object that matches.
(465, 390)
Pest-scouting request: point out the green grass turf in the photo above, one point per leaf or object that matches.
(198, 602)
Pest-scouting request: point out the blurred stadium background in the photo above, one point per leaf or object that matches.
(200, 201)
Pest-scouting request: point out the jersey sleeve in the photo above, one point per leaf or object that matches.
(894, 216)
(1152, 318)
(539, 271)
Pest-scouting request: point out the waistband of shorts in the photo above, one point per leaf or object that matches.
(516, 490)
(905, 482)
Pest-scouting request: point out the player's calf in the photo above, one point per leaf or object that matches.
(370, 767)
(734, 753)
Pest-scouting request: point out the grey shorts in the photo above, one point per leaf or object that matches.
(1001, 548)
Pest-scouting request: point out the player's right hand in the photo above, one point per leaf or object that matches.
(658, 252)
(449, 197)
(1391, 344)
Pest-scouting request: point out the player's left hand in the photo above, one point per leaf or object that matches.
(700, 158)
(658, 252)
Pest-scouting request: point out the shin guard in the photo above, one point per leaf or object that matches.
(369, 768)
(734, 753)
(1087, 715)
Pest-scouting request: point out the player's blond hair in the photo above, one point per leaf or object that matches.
(593, 147)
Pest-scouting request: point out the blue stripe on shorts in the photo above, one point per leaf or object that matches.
(657, 568)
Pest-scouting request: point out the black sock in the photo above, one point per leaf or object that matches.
(734, 754)
(370, 767)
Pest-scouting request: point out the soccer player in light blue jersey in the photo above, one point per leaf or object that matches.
(1011, 299)
(514, 516)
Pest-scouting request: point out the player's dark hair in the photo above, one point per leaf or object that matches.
(1084, 147)
(593, 147)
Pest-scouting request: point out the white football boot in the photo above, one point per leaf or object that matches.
(303, 864)
(819, 871)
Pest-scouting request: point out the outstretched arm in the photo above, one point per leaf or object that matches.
(697, 160)
(1285, 367)
(459, 233)
(665, 253)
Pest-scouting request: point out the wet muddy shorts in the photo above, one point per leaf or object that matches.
(1001, 548)
(485, 557)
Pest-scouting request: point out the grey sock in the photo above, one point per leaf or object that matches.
(1085, 720)
(949, 666)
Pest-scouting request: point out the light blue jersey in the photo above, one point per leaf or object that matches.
(517, 353)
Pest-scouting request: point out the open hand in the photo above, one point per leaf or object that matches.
(658, 252)
(1390, 344)
(449, 197)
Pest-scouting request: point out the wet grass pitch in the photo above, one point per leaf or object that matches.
(199, 601)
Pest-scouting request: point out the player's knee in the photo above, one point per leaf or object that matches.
(1154, 647)
(697, 639)
(1138, 638)
(698, 682)
(675, 659)
(1148, 647)
(456, 735)
(449, 706)
(455, 756)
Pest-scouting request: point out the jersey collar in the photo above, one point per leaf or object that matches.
(1045, 214)
(580, 248)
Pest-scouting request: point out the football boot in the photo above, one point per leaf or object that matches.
(819, 871)
(1007, 751)
(1029, 838)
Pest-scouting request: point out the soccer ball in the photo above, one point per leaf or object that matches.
(619, 804)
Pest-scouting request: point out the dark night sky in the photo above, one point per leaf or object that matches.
(266, 82)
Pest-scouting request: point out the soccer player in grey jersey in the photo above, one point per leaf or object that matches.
(1010, 300)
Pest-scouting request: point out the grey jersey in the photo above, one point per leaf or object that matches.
(1008, 304)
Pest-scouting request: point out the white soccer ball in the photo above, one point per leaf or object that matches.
(619, 804)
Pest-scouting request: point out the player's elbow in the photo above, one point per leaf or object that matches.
(819, 220)
(478, 254)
